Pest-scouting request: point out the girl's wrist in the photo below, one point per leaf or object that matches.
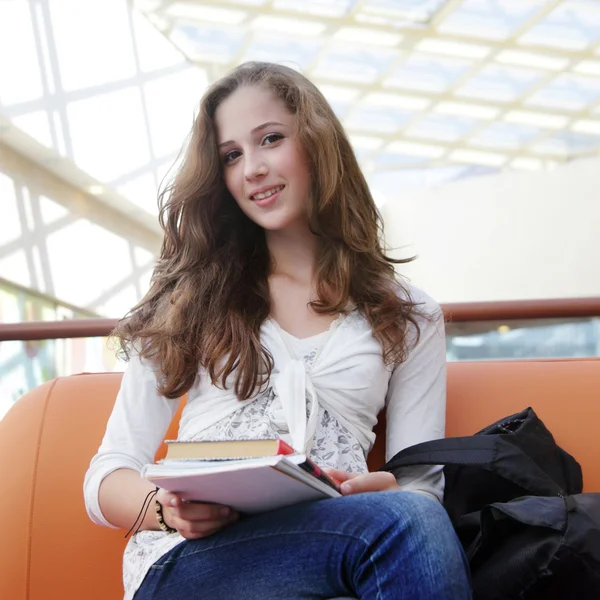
(160, 517)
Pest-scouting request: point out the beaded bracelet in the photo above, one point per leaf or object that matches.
(161, 520)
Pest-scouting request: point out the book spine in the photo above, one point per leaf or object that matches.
(311, 467)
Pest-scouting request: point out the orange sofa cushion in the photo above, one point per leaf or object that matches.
(52, 550)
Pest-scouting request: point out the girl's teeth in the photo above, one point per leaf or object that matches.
(266, 194)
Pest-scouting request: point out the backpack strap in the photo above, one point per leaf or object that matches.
(492, 453)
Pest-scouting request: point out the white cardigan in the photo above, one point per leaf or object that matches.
(348, 378)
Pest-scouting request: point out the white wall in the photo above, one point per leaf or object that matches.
(515, 235)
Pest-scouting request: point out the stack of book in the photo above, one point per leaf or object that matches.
(250, 476)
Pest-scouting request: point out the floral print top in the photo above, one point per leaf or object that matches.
(333, 446)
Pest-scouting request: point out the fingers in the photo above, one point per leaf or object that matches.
(167, 498)
(339, 476)
(192, 530)
(195, 511)
(194, 519)
(369, 482)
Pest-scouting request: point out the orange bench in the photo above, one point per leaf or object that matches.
(49, 547)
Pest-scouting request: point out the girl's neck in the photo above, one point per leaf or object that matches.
(294, 253)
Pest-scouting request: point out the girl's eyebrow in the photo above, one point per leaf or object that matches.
(258, 128)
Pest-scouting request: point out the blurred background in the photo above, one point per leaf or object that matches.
(476, 122)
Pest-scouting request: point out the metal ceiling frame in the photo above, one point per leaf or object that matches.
(411, 37)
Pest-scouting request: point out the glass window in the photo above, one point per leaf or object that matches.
(543, 338)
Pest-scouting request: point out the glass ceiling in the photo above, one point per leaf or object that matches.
(417, 83)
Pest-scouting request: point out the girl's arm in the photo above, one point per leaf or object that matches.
(416, 411)
(416, 399)
(113, 489)
(121, 496)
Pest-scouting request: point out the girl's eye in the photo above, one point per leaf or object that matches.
(231, 156)
(271, 138)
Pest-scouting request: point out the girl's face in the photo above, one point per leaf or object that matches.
(264, 165)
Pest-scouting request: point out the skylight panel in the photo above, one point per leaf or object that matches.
(493, 79)
(504, 136)
(366, 142)
(567, 92)
(354, 65)
(416, 149)
(339, 93)
(425, 73)
(527, 163)
(477, 157)
(376, 120)
(321, 8)
(591, 126)
(207, 43)
(416, 11)
(466, 109)
(588, 67)
(571, 25)
(341, 98)
(367, 36)
(392, 161)
(499, 83)
(537, 119)
(147, 5)
(568, 143)
(253, 3)
(206, 13)
(280, 49)
(448, 48)
(384, 99)
(490, 19)
(275, 24)
(521, 58)
(442, 128)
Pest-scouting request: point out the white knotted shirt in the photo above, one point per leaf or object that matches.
(323, 397)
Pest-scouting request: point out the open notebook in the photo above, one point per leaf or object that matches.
(249, 485)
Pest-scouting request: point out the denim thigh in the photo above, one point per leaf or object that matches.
(379, 546)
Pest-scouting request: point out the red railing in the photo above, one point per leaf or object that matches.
(455, 313)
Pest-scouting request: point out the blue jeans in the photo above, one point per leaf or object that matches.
(377, 546)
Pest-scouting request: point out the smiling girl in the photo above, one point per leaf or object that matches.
(275, 309)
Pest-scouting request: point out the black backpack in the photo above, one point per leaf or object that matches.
(514, 498)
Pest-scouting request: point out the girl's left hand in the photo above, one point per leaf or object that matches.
(357, 483)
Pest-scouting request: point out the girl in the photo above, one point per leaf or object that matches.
(274, 308)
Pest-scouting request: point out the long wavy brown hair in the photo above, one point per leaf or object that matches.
(209, 293)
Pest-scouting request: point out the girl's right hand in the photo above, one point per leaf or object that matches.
(194, 520)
